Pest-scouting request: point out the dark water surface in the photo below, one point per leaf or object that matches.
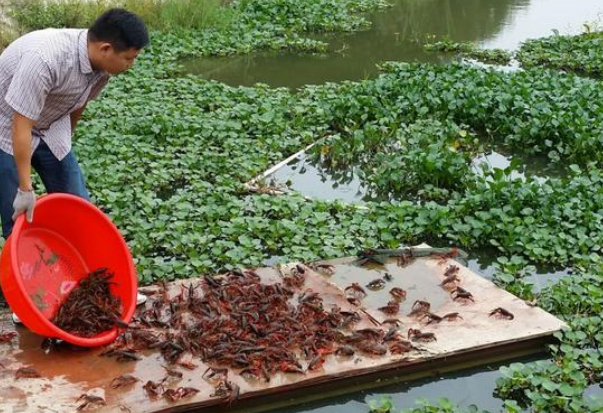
(305, 174)
(474, 386)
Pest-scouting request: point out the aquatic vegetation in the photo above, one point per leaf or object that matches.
(173, 168)
(443, 405)
(425, 160)
(577, 362)
(174, 183)
(536, 111)
(581, 54)
(511, 273)
(471, 51)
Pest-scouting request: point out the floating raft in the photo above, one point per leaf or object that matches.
(474, 338)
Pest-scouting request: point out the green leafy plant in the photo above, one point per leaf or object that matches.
(581, 54)
(471, 51)
(510, 274)
(383, 405)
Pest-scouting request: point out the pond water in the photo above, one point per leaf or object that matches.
(399, 32)
(305, 174)
(482, 263)
(472, 386)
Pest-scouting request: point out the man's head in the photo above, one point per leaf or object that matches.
(115, 39)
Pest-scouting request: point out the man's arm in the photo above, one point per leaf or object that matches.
(22, 127)
(75, 117)
(25, 199)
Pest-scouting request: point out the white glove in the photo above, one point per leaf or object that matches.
(25, 201)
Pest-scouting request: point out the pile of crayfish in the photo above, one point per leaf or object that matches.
(239, 323)
(90, 308)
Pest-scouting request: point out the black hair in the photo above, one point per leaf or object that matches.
(123, 29)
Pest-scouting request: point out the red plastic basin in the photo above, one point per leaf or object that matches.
(42, 262)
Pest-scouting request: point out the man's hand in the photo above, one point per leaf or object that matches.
(24, 202)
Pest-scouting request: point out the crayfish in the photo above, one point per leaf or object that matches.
(502, 313)
(179, 393)
(123, 381)
(228, 390)
(355, 291)
(392, 307)
(323, 268)
(7, 336)
(90, 402)
(418, 335)
(345, 351)
(400, 347)
(431, 318)
(376, 284)
(460, 293)
(398, 293)
(450, 276)
(372, 348)
(451, 317)
(419, 308)
(153, 389)
(27, 373)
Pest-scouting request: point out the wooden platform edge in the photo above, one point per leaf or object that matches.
(338, 385)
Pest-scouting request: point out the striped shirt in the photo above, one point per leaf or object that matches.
(45, 75)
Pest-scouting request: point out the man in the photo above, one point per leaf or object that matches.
(46, 79)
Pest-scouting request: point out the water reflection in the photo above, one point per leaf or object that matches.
(399, 33)
(310, 179)
(472, 386)
(308, 176)
(537, 18)
(483, 261)
(538, 167)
